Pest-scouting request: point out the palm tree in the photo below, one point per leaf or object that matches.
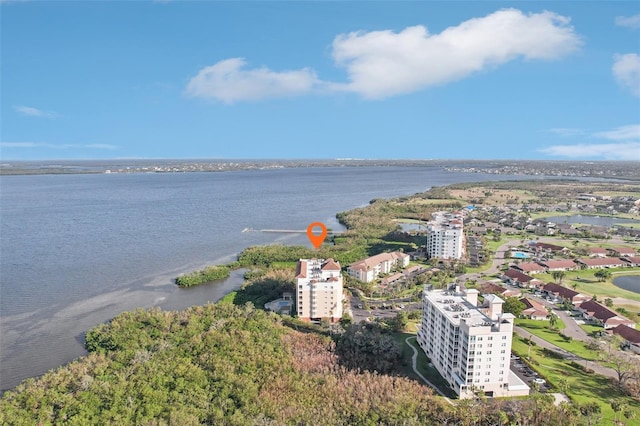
(553, 319)
(574, 285)
(558, 276)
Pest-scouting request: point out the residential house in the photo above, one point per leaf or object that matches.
(391, 279)
(529, 267)
(622, 251)
(534, 310)
(630, 335)
(607, 262)
(490, 288)
(600, 314)
(515, 277)
(369, 269)
(632, 260)
(565, 294)
(559, 265)
(547, 248)
(597, 252)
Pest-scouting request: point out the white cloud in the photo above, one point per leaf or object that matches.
(607, 151)
(632, 22)
(625, 147)
(567, 131)
(34, 112)
(626, 71)
(228, 82)
(622, 133)
(57, 146)
(384, 63)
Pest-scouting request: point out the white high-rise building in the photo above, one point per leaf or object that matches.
(319, 290)
(445, 236)
(470, 346)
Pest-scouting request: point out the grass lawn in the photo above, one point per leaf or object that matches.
(422, 363)
(591, 330)
(587, 283)
(541, 330)
(582, 387)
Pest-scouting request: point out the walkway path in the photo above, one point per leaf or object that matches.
(414, 363)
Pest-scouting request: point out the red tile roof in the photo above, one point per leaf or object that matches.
(632, 259)
(548, 246)
(301, 269)
(604, 261)
(597, 310)
(627, 333)
(559, 264)
(529, 267)
(330, 265)
(564, 292)
(514, 274)
(597, 250)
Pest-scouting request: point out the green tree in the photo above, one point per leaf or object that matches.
(558, 276)
(608, 302)
(514, 306)
(602, 274)
(401, 321)
(553, 319)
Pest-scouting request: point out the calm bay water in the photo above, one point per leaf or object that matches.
(76, 250)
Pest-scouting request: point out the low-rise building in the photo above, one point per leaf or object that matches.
(598, 262)
(469, 345)
(369, 269)
(529, 267)
(534, 310)
(559, 265)
(622, 251)
(319, 290)
(515, 277)
(565, 294)
(597, 252)
(632, 260)
(599, 314)
(630, 335)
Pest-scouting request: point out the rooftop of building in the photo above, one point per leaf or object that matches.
(455, 306)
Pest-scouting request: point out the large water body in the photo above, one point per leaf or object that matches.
(76, 250)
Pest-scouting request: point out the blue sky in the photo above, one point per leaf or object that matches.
(396, 80)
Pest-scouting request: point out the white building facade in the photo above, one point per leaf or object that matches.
(370, 268)
(319, 290)
(470, 346)
(445, 236)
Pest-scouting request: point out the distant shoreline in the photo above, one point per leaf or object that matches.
(619, 170)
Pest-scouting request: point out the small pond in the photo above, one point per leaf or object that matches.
(628, 282)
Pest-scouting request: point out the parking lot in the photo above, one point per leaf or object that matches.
(524, 372)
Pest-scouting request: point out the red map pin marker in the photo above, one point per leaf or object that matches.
(317, 240)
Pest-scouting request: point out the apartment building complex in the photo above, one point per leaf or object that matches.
(318, 290)
(445, 236)
(370, 268)
(469, 345)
